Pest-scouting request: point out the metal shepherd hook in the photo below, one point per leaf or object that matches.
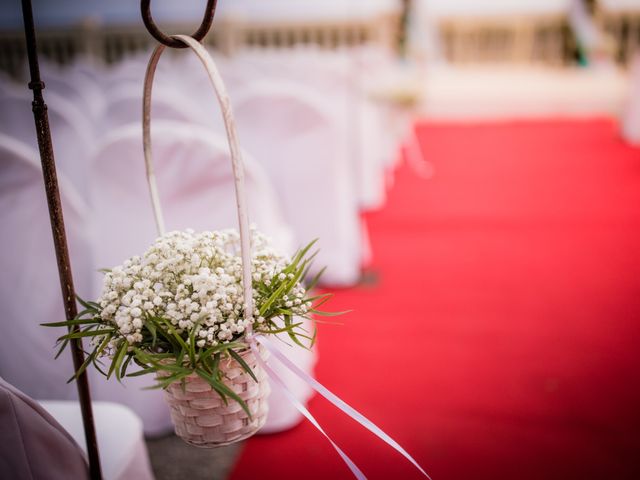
(59, 235)
(205, 26)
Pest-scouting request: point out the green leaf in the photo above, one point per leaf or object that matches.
(330, 314)
(302, 252)
(324, 298)
(313, 336)
(242, 363)
(85, 333)
(314, 281)
(192, 342)
(93, 311)
(158, 323)
(279, 330)
(274, 296)
(292, 335)
(97, 365)
(146, 371)
(62, 347)
(224, 391)
(88, 360)
(117, 359)
(296, 277)
(164, 382)
(88, 305)
(70, 323)
(102, 345)
(123, 369)
(154, 332)
(219, 348)
(175, 334)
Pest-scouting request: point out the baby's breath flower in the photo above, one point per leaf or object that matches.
(193, 282)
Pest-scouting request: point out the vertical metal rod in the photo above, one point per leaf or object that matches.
(59, 235)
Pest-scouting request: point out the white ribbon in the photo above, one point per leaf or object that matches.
(301, 408)
(326, 393)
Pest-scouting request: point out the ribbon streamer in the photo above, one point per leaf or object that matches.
(302, 409)
(326, 393)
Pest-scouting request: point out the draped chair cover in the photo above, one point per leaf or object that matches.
(34, 444)
(29, 285)
(124, 106)
(78, 85)
(123, 451)
(339, 79)
(630, 122)
(71, 132)
(302, 147)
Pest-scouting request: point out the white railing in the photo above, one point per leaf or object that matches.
(112, 43)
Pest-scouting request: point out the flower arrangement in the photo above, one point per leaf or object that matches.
(178, 310)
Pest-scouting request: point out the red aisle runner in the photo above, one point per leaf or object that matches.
(502, 339)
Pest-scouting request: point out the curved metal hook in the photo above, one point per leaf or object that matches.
(145, 8)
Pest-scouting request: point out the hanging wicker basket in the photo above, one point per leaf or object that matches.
(202, 417)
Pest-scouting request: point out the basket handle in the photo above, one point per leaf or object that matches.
(234, 148)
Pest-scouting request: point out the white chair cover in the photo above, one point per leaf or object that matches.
(341, 74)
(16, 117)
(123, 452)
(29, 284)
(631, 116)
(71, 131)
(128, 71)
(34, 445)
(124, 106)
(76, 85)
(303, 149)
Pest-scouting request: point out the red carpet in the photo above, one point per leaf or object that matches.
(501, 341)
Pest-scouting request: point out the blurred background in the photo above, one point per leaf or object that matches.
(472, 169)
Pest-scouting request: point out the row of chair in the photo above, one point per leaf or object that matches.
(307, 176)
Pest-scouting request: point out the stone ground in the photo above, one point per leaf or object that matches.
(172, 459)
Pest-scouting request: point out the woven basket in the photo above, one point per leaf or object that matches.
(200, 415)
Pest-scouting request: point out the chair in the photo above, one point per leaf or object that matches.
(34, 445)
(123, 451)
(302, 147)
(341, 74)
(630, 121)
(194, 175)
(29, 292)
(76, 86)
(71, 132)
(124, 106)
(45, 440)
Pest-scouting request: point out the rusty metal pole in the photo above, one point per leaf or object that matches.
(59, 236)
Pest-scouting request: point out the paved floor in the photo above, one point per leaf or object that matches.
(172, 459)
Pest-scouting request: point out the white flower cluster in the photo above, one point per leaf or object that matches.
(194, 281)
